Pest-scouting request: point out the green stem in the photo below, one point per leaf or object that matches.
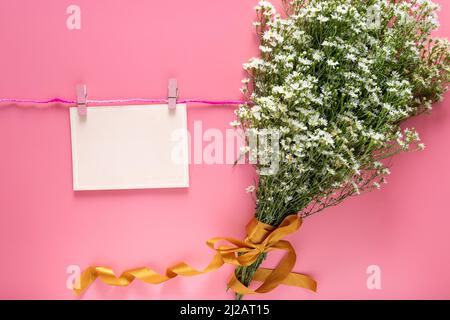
(245, 274)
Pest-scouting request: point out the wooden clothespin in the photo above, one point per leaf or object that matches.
(172, 94)
(82, 99)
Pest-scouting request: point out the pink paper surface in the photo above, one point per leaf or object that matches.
(130, 49)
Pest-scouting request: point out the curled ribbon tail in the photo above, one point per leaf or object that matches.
(261, 238)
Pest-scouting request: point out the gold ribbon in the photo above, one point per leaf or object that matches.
(260, 238)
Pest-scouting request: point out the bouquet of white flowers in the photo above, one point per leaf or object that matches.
(334, 81)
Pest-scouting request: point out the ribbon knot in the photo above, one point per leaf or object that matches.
(261, 238)
(260, 248)
(257, 231)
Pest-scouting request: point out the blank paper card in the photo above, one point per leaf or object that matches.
(130, 147)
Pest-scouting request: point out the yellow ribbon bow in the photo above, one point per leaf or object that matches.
(260, 238)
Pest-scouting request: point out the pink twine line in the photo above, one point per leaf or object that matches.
(113, 101)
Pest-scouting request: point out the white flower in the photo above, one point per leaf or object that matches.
(351, 57)
(235, 123)
(250, 189)
(305, 62)
(342, 9)
(265, 49)
(322, 18)
(332, 63)
(244, 149)
(356, 188)
(317, 55)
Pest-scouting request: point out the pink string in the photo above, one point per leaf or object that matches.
(115, 101)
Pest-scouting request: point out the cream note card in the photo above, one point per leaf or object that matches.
(130, 147)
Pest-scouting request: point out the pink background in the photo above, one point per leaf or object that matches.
(130, 49)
